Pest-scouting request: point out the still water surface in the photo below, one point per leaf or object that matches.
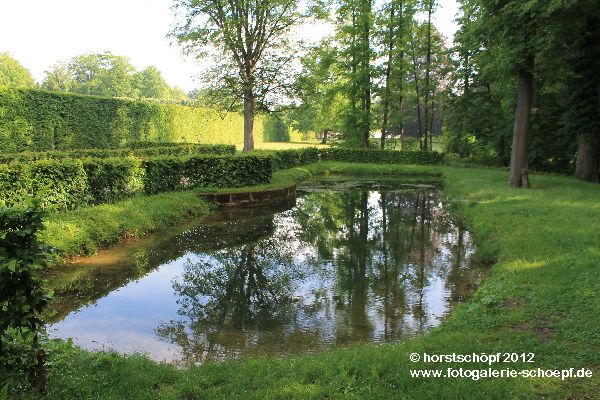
(352, 261)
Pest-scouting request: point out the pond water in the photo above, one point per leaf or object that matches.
(352, 261)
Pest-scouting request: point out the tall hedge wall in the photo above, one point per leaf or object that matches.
(39, 120)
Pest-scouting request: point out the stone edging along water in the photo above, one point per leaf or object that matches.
(250, 199)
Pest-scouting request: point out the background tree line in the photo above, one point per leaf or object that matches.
(99, 74)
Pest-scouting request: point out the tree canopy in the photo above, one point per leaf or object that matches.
(13, 74)
(109, 75)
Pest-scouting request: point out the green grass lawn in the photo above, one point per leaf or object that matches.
(283, 145)
(543, 296)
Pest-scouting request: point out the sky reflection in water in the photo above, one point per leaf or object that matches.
(347, 264)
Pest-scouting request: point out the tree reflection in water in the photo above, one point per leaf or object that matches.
(341, 267)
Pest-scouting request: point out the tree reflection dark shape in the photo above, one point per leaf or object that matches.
(340, 267)
(233, 290)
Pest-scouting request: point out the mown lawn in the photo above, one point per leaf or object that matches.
(543, 296)
(283, 145)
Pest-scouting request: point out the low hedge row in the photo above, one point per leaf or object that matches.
(143, 150)
(381, 156)
(165, 174)
(72, 183)
(292, 158)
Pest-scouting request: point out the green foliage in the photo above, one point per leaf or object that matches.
(550, 40)
(283, 159)
(38, 120)
(66, 184)
(113, 179)
(86, 230)
(381, 156)
(136, 149)
(106, 74)
(23, 298)
(13, 74)
(59, 184)
(164, 174)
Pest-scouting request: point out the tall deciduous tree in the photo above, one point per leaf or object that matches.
(355, 21)
(249, 33)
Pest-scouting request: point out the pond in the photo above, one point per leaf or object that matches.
(352, 261)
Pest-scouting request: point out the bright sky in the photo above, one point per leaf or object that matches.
(39, 33)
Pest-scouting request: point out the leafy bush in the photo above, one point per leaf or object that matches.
(291, 158)
(23, 299)
(113, 179)
(283, 159)
(173, 149)
(381, 156)
(59, 184)
(165, 174)
(68, 184)
(62, 184)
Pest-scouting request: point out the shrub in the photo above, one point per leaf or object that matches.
(15, 184)
(165, 174)
(174, 149)
(283, 159)
(113, 179)
(381, 156)
(23, 299)
(59, 183)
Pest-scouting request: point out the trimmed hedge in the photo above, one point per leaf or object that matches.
(33, 119)
(147, 150)
(166, 174)
(381, 156)
(283, 159)
(113, 179)
(72, 183)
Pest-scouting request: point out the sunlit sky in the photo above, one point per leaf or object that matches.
(40, 32)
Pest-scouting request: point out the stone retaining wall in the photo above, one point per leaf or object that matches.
(250, 199)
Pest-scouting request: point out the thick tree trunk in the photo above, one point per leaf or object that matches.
(248, 121)
(325, 132)
(587, 160)
(519, 165)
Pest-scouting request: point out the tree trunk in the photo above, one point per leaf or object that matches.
(325, 132)
(587, 160)
(388, 74)
(519, 166)
(367, 74)
(248, 121)
(414, 59)
(427, 78)
(401, 136)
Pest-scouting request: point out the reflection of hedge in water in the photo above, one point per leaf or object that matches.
(96, 283)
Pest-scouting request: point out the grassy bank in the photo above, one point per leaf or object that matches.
(543, 297)
(84, 231)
